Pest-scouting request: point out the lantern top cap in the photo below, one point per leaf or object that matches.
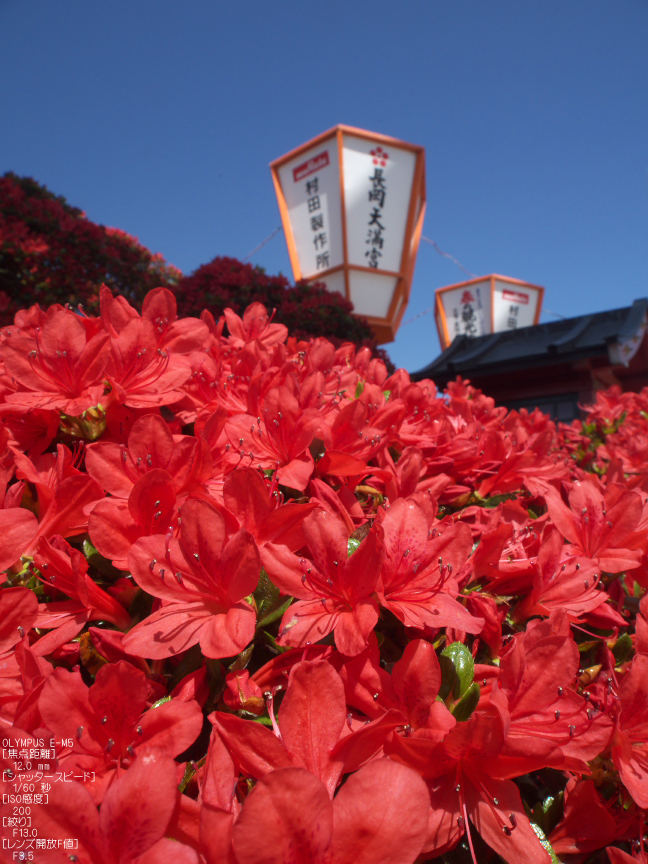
(342, 129)
(487, 278)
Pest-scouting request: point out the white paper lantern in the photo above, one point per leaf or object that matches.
(487, 305)
(352, 204)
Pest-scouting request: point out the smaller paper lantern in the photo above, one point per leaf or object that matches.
(487, 305)
(352, 204)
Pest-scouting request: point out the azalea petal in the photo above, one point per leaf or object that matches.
(587, 824)
(285, 570)
(152, 501)
(380, 816)
(519, 843)
(167, 851)
(353, 626)
(240, 566)
(297, 472)
(174, 628)
(417, 678)
(150, 442)
(286, 819)
(228, 634)
(254, 748)
(18, 529)
(119, 693)
(18, 611)
(71, 812)
(246, 495)
(327, 540)
(104, 462)
(203, 534)
(65, 706)
(312, 716)
(112, 531)
(137, 807)
(216, 835)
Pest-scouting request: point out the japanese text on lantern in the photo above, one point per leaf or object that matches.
(514, 298)
(319, 234)
(377, 194)
(468, 317)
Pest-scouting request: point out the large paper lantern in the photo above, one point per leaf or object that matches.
(487, 305)
(352, 204)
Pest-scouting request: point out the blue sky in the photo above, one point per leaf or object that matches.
(160, 118)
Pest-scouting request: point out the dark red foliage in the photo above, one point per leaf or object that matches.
(50, 252)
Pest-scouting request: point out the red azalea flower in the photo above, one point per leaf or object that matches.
(18, 527)
(203, 579)
(141, 374)
(587, 824)
(307, 734)
(537, 673)
(65, 569)
(115, 525)
(630, 741)
(30, 430)
(60, 368)
(335, 592)
(569, 584)
(254, 504)
(279, 438)
(160, 307)
(379, 816)
(416, 577)
(255, 327)
(151, 445)
(409, 693)
(467, 782)
(18, 613)
(111, 724)
(618, 856)
(599, 526)
(135, 817)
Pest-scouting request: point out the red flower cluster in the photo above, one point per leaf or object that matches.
(276, 606)
(51, 252)
(308, 310)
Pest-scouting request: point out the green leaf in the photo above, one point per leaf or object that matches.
(241, 660)
(103, 565)
(359, 388)
(623, 649)
(273, 644)
(275, 614)
(353, 544)
(266, 595)
(160, 702)
(457, 670)
(189, 772)
(496, 500)
(467, 704)
(546, 845)
(357, 537)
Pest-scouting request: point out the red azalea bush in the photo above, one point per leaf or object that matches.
(307, 310)
(50, 252)
(264, 603)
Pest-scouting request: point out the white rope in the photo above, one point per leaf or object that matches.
(262, 244)
(436, 248)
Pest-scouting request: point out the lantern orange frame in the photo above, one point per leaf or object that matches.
(385, 328)
(441, 320)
